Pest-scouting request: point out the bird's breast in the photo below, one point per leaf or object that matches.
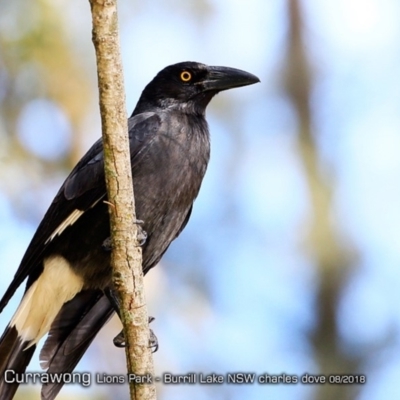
(168, 180)
(174, 165)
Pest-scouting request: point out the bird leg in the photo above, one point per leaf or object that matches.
(141, 237)
(119, 340)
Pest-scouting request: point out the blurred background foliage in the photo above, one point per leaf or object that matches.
(290, 263)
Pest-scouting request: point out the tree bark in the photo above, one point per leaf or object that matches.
(126, 259)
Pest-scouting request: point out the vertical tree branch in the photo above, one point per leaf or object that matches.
(126, 259)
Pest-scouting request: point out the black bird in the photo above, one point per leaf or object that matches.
(67, 264)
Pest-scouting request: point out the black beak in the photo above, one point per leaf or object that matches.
(223, 78)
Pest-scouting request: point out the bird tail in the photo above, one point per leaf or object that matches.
(42, 301)
(70, 335)
(14, 358)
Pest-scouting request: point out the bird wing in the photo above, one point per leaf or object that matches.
(185, 221)
(83, 188)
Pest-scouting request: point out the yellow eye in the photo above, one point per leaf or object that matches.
(186, 76)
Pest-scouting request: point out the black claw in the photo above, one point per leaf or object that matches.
(119, 340)
(153, 342)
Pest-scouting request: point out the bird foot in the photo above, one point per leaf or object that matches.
(141, 233)
(141, 237)
(119, 340)
(153, 341)
(107, 245)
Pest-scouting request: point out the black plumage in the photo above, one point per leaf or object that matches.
(66, 265)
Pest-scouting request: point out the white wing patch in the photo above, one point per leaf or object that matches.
(72, 218)
(57, 284)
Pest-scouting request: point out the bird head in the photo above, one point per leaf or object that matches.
(190, 86)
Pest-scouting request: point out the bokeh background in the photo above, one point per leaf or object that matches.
(291, 260)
